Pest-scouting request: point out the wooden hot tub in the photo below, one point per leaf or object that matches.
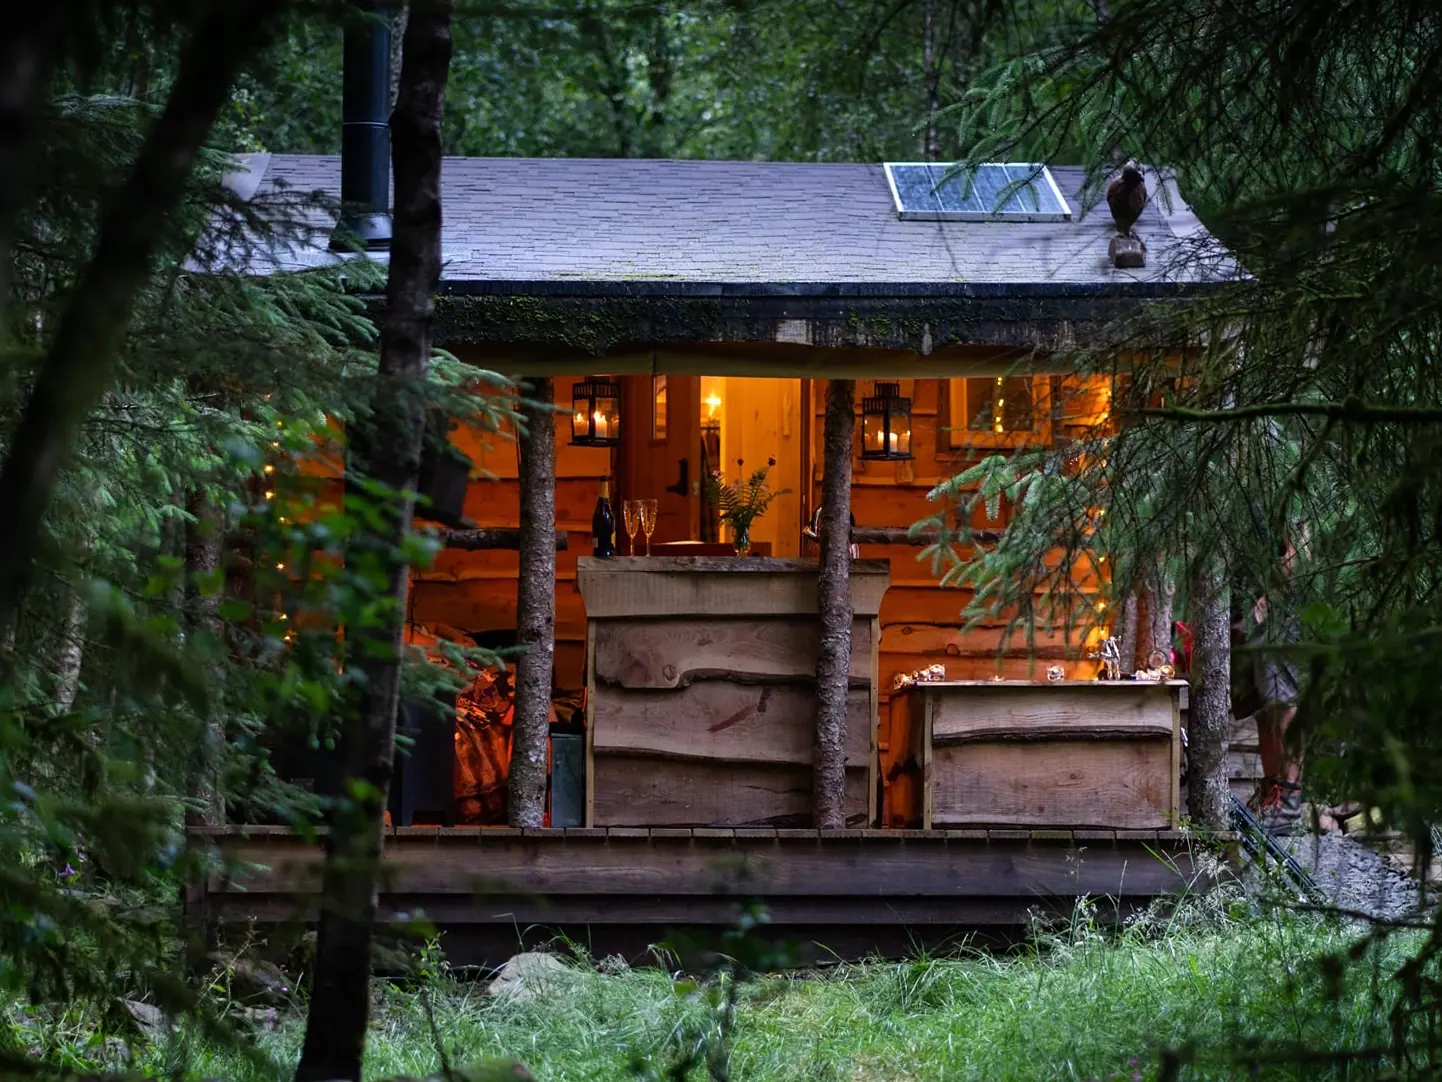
(701, 696)
(1077, 753)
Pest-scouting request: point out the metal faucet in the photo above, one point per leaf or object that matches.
(813, 532)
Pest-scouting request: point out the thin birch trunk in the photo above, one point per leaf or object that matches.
(535, 609)
(340, 995)
(1211, 699)
(71, 655)
(833, 663)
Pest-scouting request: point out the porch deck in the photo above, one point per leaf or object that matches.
(850, 892)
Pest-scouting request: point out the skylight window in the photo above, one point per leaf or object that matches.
(1010, 192)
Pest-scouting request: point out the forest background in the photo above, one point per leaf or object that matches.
(145, 389)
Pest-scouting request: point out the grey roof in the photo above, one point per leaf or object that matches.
(517, 225)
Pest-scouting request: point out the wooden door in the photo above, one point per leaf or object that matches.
(661, 451)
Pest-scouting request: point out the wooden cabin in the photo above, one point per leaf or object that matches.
(722, 297)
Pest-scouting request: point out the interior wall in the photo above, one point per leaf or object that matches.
(761, 419)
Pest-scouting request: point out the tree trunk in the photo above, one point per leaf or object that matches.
(1154, 616)
(340, 996)
(535, 609)
(1126, 634)
(28, 56)
(203, 538)
(78, 364)
(1211, 699)
(833, 663)
(71, 654)
(931, 76)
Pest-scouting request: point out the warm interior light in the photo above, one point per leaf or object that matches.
(713, 403)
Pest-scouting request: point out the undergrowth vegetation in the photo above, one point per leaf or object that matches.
(1219, 997)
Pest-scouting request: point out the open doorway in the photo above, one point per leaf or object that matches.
(753, 420)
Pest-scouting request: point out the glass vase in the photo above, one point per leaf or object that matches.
(741, 539)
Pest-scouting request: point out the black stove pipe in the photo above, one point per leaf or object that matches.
(365, 141)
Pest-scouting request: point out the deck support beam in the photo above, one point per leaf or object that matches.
(834, 605)
(535, 607)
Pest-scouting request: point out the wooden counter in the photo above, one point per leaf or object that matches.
(701, 690)
(1077, 753)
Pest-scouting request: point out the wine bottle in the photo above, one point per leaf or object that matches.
(603, 525)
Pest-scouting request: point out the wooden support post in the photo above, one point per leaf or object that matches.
(834, 604)
(1210, 707)
(535, 608)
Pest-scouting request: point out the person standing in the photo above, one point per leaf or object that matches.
(1276, 627)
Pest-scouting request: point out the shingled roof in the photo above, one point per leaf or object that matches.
(589, 228)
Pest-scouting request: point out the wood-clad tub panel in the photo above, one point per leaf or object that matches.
(1103, 783)
(673, 653)
(722, 720)
(644, 791)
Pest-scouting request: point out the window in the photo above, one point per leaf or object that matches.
(995, 411)
(658, 407)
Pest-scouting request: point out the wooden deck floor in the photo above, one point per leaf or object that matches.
(855, 891)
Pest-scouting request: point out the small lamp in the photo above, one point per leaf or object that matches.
(886, 424)
(596, 413)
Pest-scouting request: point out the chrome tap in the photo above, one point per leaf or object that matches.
(813, 532)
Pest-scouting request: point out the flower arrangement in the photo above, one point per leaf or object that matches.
(742, 502)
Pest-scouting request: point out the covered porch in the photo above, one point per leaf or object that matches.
(718, 728)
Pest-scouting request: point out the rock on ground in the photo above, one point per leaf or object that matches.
(528, 976)
(1355, 878)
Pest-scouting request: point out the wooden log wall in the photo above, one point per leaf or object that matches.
(920, 621)
(702, 693)
(476, 591)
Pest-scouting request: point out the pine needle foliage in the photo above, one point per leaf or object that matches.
(1302, 411)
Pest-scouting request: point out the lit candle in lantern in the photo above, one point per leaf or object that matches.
(893, 443)
(602, 429)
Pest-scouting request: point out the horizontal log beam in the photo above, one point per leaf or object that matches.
(744, 863)
(901, 535)
(490, 538)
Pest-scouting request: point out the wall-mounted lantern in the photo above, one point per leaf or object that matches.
(596, 413)
(886, 424)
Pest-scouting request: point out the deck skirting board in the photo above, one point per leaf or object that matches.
(667, 876)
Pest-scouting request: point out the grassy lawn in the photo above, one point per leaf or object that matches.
(1083, 1005)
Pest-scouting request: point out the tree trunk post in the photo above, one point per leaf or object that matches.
(1211, 699)
(1126, 633)
(340, 995)
(833, 662)
(535, 609)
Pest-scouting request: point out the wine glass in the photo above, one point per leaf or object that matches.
(648, 521)
(631, 514)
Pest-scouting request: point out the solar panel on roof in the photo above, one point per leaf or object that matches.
(1011, 191)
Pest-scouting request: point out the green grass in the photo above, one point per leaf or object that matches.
(1087, 1003)
(1084, 1005)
